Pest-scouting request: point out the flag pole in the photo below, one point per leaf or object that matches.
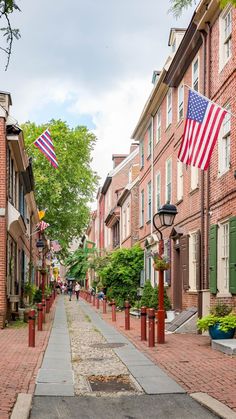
(209, 100)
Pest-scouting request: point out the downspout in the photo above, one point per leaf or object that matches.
(202, 188)
(152, 175)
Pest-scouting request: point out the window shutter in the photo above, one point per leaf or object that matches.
(198, 263)
(232, 255)
(184, 249)
(213, 259)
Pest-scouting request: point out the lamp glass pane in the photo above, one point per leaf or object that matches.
(168, 219)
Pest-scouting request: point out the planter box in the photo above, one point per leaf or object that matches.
(216, 333)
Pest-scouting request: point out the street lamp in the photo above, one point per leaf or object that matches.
(40, 244)
(166, 215)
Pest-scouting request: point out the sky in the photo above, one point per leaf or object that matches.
(88, 62)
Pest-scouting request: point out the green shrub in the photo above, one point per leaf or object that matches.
(147, 295)
(37, 296)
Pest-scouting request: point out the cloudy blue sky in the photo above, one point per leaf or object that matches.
(88, 62)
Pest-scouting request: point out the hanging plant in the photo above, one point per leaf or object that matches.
(160, 262)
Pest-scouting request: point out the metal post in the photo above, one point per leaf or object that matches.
(47, 305)
(40, 316)
(143, 323)
(127, 315)
(113, 311)
(161, 310)
(104, 304)
(31, 318)
(151, 328)
(93, 300)
(97, 305)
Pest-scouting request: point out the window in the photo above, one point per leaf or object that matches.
(194, 177)
(149, 201)
(149, 263)
(168, 180)
(128, 220)
(224, 144)
(193, 256)
(21, 201)
(141, 150)
(158, 190)
(180, 102)
(225, 37)
(124, 223)
(195, 74)
(223, 259)
(169, 108)
(158, 132)
(179, 180)
(149, 141)
(142, 208)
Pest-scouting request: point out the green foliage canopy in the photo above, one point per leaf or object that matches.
(66, 191)
(121, 274)
(77, 264)
(178, 6)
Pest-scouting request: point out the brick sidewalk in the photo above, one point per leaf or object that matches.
(19, 364)
(189, 360)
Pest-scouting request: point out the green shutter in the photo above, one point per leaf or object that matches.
(213, 259)
(232, 255)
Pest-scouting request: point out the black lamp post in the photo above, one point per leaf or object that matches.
(40, 244)
(165, 215)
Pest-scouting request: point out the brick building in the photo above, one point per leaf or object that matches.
(18, 215)
(202, 243)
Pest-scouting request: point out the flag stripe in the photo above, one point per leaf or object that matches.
(45, 145)
(47, 155)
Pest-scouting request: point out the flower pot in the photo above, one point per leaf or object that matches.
(216, 333)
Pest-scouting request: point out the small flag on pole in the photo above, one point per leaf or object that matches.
(202, 126)
(45, 145)
(42, 226)
(41, 214)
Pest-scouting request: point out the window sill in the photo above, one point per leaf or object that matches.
(180, 122)
(193, 191)
(141, 227)
(168, 127)
(220, 174)
(148, 157)
(148, 222)
(179, 201)
(193, 292)
(224, 295)
(222, 65)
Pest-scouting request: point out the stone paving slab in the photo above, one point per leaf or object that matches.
(227, 346)
(59, 376)
(54, 389)
(152, 383)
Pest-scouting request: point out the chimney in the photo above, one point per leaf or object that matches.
(133, 147)
(5, 101)
(118, 158)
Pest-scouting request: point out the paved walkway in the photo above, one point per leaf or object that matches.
(55, 376)
(189, 360)
(19, 363)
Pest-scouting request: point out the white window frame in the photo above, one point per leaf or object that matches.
(142, 208)
(225, 37)
(169, 108)
(180, 102)
(141, 153)
(193, 236)
(128, 227)
(168, 179)
(149, 201)
(180, 180)
(195, 79)
(149, 150)
(223, 259)
(194, 174)
(224, 144)
(158, 126)
(158, 190)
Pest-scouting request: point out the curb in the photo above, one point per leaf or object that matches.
(22, 406)
(214, 405)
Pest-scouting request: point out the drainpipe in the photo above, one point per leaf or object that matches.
(152, 175)
(208, 63)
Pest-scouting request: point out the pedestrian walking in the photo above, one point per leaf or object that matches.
(70, 290)
(77, 290)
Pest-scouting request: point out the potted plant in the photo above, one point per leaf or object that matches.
(221, 322)
(160, 262)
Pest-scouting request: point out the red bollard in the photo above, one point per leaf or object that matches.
(31, 319)
(151, 327)
(104, 304)
(97, 305)
(47, 305)
(127, 315)
(44, 310)
(93, 300)
(113, 311)
(143, 323)
(90, 298)
(40, 316)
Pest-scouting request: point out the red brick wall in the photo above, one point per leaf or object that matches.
(3, 204)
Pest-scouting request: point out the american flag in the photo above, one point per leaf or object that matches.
(55, 246)
(42, 226)
(45, 145)
(201, 131)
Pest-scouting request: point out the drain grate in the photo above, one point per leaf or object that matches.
(110, 384)
(107, 345)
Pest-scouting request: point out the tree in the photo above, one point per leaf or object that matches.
(77, 263)
(179, 5)
(6, 8)
(66, 191)
(147, 295)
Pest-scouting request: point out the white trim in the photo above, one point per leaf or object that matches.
(222, 60)
(123, 163)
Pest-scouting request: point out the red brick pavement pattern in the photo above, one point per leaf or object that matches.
(189, 360)
(19, 364)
